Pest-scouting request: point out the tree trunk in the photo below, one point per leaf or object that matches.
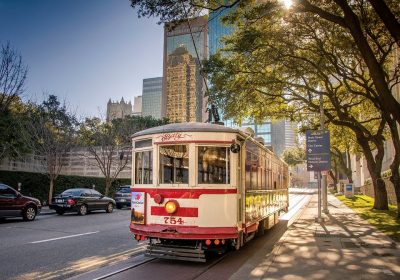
(395, 179)
(51, 190)
(108, 186)
(374, 165)
(334, 178)
(381, 199)
(394, 167)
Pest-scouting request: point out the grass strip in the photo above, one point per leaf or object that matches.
(384, 220)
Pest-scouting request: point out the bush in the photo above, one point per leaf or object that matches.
(37, 184)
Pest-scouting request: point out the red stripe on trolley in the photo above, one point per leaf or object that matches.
(196, 142)
(181, 212)
(183, 193)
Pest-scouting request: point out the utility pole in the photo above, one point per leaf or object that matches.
(323, 176)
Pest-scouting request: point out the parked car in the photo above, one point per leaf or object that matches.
(123, 196)
(14, 204)
(82, 201)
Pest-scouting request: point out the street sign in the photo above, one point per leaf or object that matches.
(318, 150)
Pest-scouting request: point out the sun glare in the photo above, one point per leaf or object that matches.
(287, 3)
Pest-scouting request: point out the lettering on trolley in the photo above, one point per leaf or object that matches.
(175, 136)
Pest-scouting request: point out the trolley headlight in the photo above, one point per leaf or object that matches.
(171, 206)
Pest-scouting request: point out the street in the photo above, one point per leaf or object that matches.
(60, 247)
(55, 246)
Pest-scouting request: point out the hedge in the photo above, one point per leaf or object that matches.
(37, 184)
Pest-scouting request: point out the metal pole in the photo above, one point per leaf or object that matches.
(319, 219)
(324, 176)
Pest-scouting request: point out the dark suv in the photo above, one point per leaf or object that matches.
(14, 204)
(122, 196)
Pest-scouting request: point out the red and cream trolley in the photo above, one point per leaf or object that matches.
(200, 187)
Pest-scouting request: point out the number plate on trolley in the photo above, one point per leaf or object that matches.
(173, 221)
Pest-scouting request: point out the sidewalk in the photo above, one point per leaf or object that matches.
(344, 247)
(47, 211)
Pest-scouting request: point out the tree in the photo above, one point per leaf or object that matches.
(12, 130)
(12, 79)
(52, 134)
(269, 73)
(109, 143)
(294, 155)
(355, 18)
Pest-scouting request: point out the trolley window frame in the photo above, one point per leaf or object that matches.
(230, 167)
(159, 164)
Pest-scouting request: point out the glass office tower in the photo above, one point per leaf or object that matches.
(151, 97)
(185, 46)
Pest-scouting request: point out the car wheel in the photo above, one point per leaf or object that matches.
(110, 208)
(82, 210)
(60, 212)
(118, 206)
(29, 213)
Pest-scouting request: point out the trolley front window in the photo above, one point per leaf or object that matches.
(174, 164)
(144, 167)
(213, 165)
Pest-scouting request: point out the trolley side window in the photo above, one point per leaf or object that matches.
(174, 164)
(144, 167)
(213, 165)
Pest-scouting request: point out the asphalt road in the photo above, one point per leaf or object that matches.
(59, 247)
(56, 247)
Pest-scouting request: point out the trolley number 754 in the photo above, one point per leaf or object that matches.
(173, 221)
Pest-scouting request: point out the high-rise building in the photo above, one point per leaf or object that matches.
(276, 135)
(185, 45)
(152, 96)
(118, 110)
(137, 106)
(284, 135)
(217, 29)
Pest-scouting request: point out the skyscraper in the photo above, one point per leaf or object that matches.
(185, 45)
(137, 106)
(217, 29)
(152, 96)
(117, 109)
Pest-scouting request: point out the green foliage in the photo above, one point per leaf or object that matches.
(36, 184)
(12, 130)
(385, 221)
(294, 155)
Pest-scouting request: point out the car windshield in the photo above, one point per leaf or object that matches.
(124, 190)
(72, 193)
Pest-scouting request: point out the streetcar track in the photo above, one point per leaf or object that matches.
(125, 269)
(211, 265)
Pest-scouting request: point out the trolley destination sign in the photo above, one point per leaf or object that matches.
(318, 150)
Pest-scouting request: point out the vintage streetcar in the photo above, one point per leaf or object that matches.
(201, 187)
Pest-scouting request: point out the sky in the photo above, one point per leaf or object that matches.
(83, 51)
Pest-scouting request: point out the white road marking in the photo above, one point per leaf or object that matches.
(63, 237)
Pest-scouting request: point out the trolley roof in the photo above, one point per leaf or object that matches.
(187, 127)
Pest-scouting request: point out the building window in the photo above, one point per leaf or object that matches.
(266, 137)
(264, 128)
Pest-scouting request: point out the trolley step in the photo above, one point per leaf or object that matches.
(175, 253)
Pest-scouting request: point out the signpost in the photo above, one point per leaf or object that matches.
(318, 150)
(318, 159)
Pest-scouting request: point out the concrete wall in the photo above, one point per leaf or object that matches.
(78, 162)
